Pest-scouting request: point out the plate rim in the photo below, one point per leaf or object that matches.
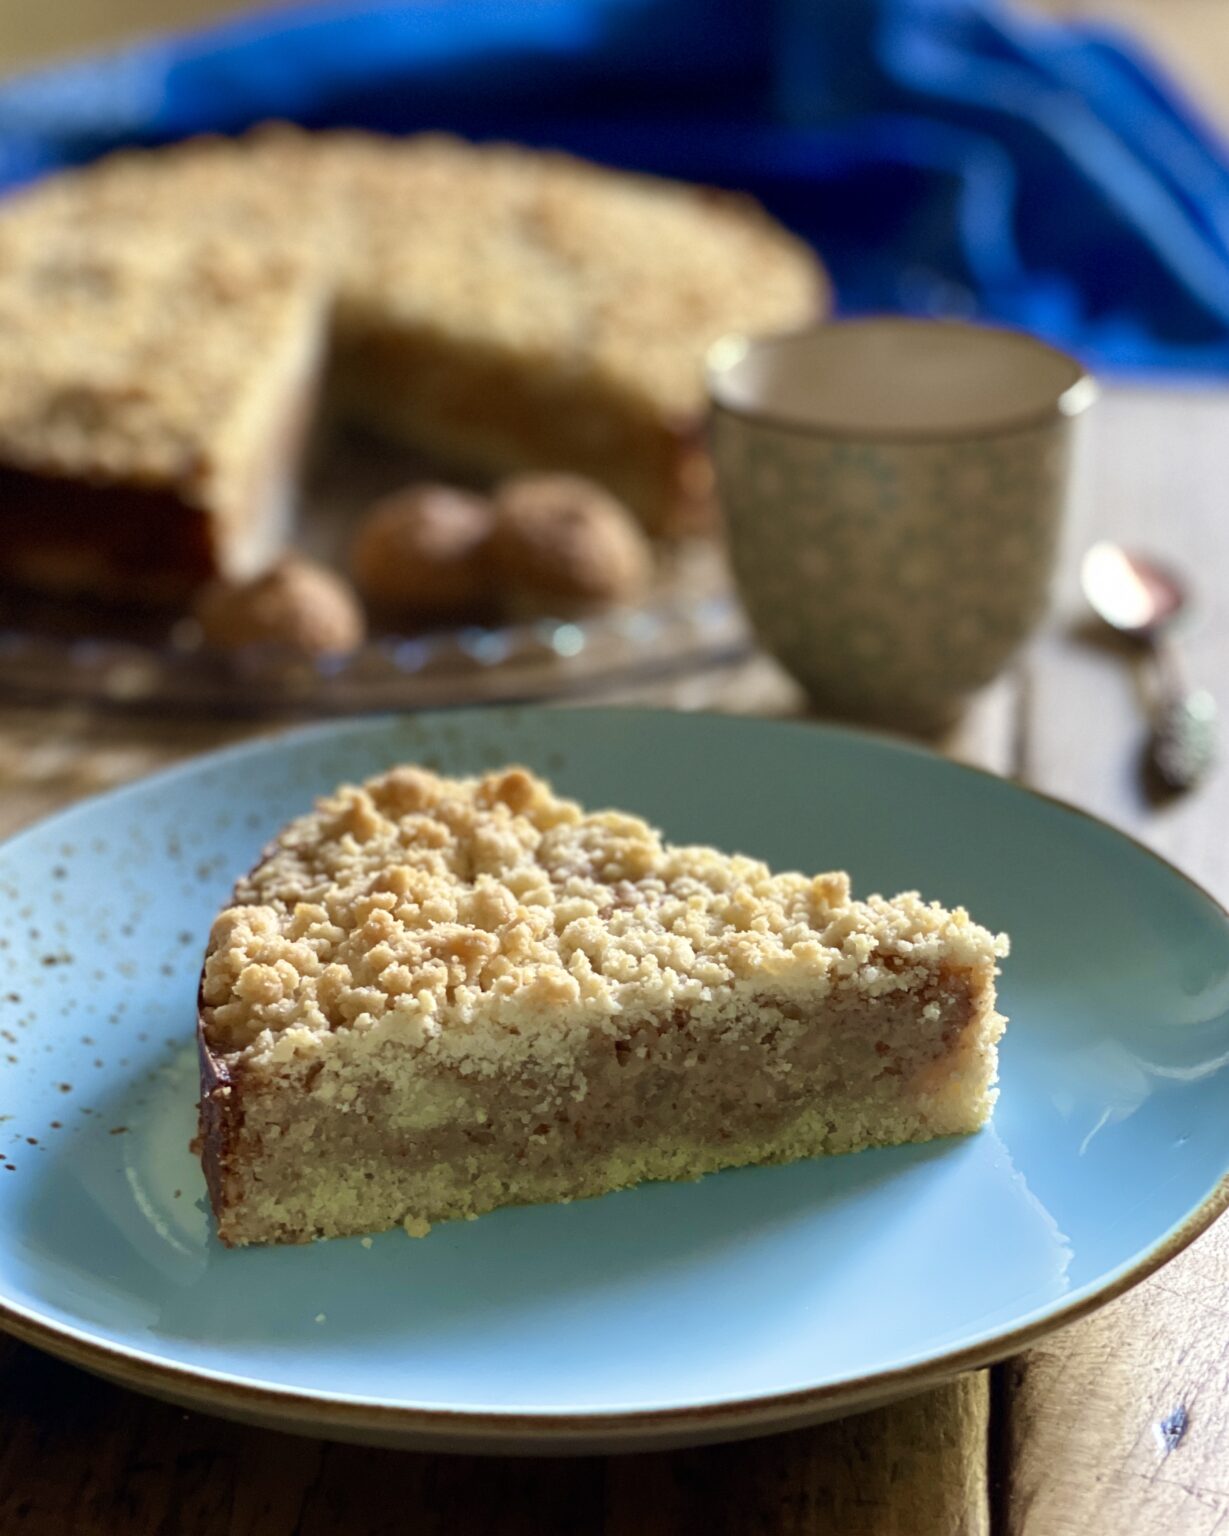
(316, 1411)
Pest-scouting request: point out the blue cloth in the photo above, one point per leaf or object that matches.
(945, 156)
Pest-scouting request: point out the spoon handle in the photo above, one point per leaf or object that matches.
(1184, 727)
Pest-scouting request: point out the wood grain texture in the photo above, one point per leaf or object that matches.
(1121, 1424)
(917, 1468)
(78, 1455)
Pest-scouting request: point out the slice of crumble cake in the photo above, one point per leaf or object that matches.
(436, 996)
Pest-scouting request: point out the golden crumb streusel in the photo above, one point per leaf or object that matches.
(425, 910)
(139, 293)
(625, 277)
(141, 299)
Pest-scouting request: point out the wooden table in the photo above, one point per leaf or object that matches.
(1063, 1441)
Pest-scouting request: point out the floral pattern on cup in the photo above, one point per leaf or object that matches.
(892, 578)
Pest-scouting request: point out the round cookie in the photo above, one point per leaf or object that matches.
(564, 537)
(296, 603)
(423, 553)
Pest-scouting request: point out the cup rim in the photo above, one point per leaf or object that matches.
(728, 351)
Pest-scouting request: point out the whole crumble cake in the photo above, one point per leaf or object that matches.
(168, 317)
(437, 996)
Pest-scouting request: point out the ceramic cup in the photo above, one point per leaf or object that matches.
(893, 492)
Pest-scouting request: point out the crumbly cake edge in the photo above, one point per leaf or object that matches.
(443, 1195)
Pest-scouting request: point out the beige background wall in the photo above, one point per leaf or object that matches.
(32, 31)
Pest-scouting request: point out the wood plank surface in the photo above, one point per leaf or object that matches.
(917, 1468)
(1121, 1423)
(82, 1457)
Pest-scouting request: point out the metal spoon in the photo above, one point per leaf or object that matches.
(1141, 598)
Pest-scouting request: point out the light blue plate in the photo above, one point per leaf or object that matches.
(754, 1300)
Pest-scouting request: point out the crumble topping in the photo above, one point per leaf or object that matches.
(139, 298)
(136, 294)
(420, 909)
(628, 277)
(126, 363)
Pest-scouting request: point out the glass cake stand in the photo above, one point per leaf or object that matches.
(146, 659)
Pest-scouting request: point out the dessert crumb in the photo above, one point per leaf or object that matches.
(415, 1226)
(320, 1317)
(366, 1242)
